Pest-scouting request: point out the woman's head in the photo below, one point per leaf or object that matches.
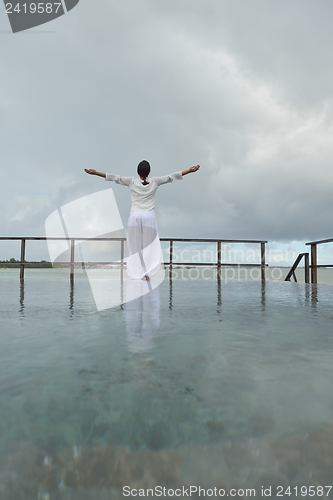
(143, 170)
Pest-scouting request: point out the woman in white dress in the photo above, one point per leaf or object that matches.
(144, 249)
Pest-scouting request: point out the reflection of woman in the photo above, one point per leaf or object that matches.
(142, 316)
(144, 249)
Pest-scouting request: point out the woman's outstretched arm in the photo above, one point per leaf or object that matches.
(190, 170)
(175, 176)
(119, 179)
(92, 171)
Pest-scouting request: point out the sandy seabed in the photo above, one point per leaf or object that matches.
(100, 474)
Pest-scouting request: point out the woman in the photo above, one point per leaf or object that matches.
(144, 249)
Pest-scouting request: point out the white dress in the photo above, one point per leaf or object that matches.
(144, 255)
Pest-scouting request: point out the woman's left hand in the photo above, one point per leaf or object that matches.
(194, 169)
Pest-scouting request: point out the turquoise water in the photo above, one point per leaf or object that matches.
(195, 365)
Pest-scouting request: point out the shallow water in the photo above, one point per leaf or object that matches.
(185, 383)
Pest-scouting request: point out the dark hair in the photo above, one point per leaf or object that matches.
(143, 171)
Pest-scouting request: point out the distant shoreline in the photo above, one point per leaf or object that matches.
(16, 264)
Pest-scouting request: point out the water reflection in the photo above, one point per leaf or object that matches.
(71, 296)
(115, 290)
(307, 294)
(314, 296)
(142, 315)
(219, 292)
(21, 311)
(263, 295)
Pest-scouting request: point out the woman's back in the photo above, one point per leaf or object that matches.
(143, 195)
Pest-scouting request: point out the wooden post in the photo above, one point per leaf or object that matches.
(22, 259)
(72, 261)
(263, 263)
(219, 260)
(171, 252)
(219, 294)
(306, 267)
(122, 260)
(314, 264)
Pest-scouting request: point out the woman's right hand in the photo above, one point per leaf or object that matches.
(90, 171)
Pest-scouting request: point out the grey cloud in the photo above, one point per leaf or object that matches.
(242, 88)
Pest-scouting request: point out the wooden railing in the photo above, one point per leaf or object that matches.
(293, 269)
(171, 263)
(314, 265)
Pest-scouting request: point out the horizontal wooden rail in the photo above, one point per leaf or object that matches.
(210, 264)
(171, 241)
(17, 263)
(76, 238)
(44, 238)
(330, 240)
(210, 240)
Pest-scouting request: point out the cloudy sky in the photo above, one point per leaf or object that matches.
(244, 88)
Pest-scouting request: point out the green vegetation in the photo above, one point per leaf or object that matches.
(13, 263)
